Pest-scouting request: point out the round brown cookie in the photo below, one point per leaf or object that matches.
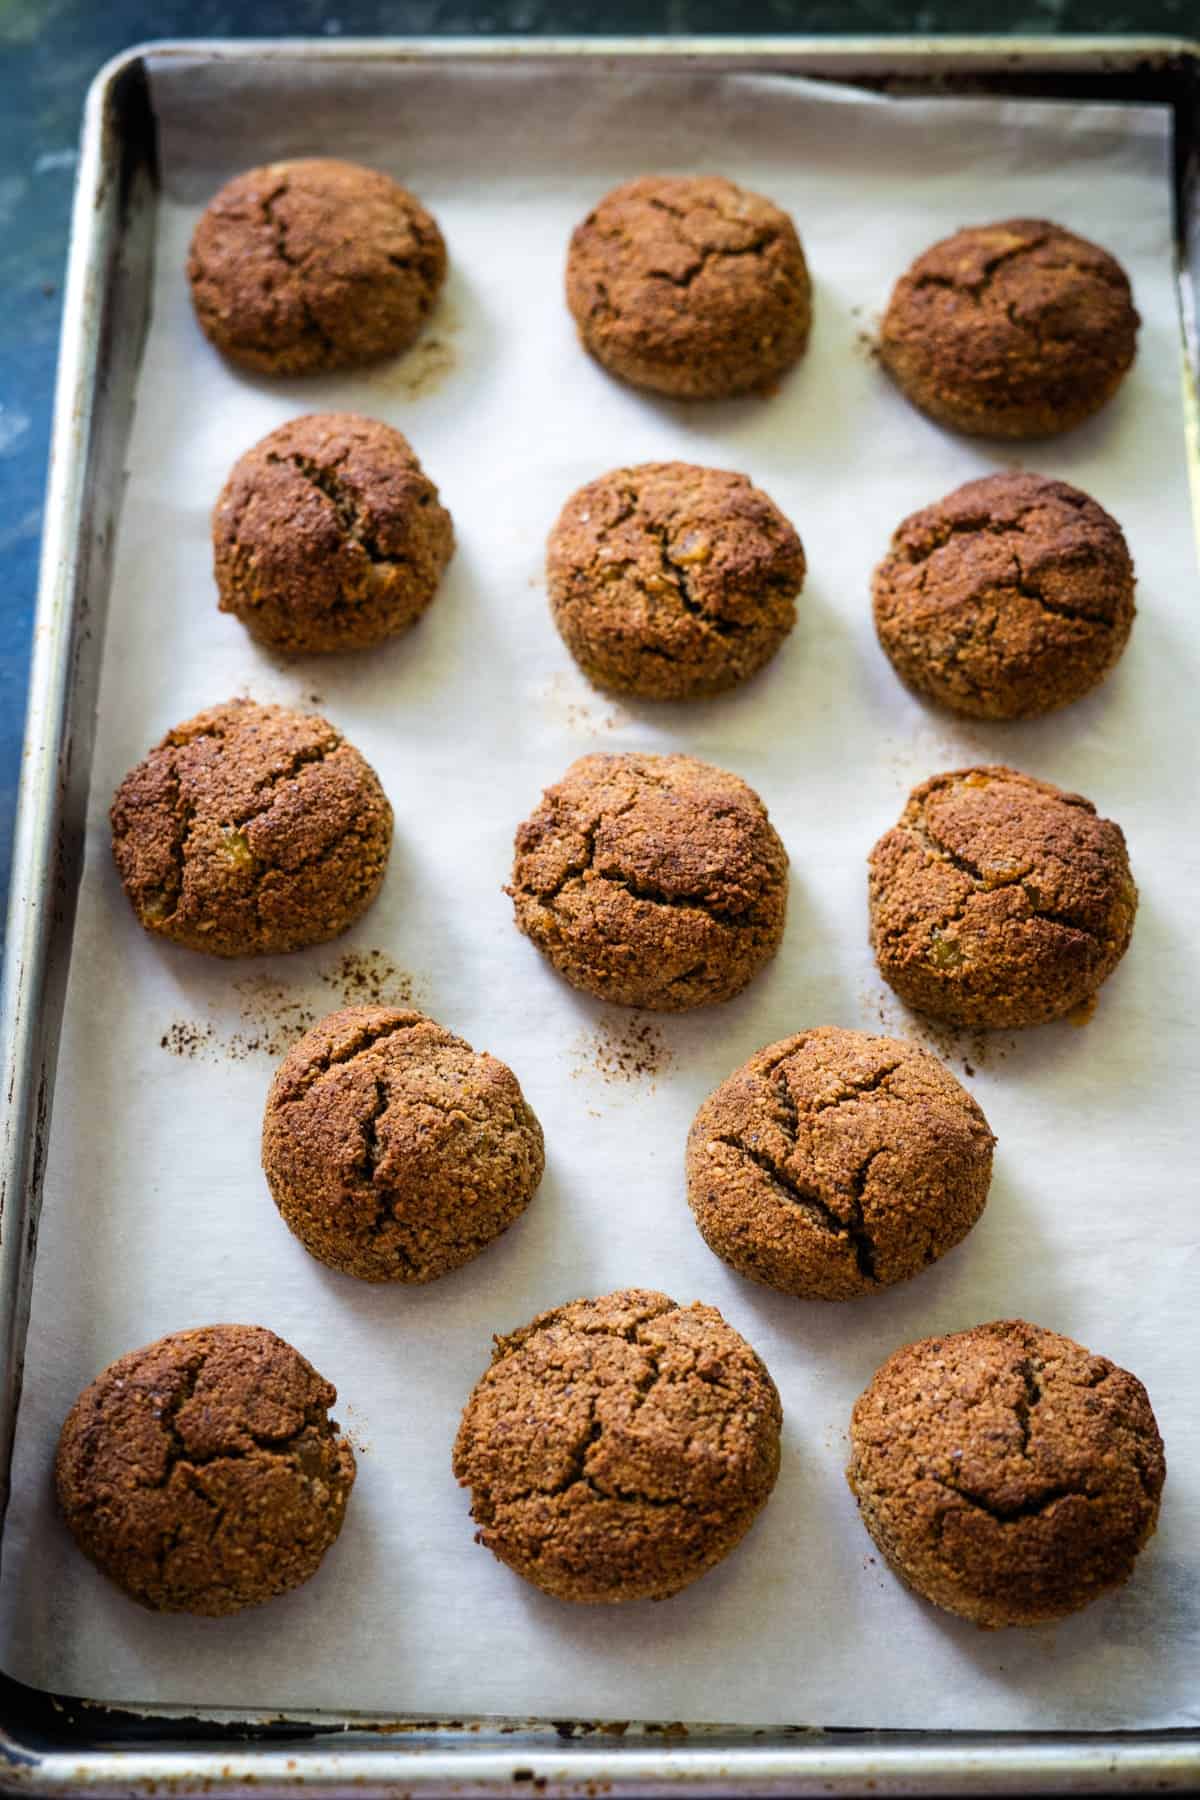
(833, 1164)
(689, 286)
(670, 581)
(653, 881)
(203, 1473)
(1011, 596)
(999, 900)
(249, 830)
(314, 264)
(618, 1448)
(393, 1150)
(1015, 330)
(1006, 1473)
(328, 535)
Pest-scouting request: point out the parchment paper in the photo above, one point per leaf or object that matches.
(156, 1214)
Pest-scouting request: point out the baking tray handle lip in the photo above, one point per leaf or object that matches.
(1007, 53)
(32, 898)
(806, 1765)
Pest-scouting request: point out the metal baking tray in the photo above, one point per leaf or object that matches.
(54, 1744)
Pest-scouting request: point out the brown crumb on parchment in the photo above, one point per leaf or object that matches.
(632, 1049)
(370, 978)
(352, 1431)
(186, 1038)
(422, 370)
(970, 1049)
(577, 715)
(274, 1016)
(1086, 1009)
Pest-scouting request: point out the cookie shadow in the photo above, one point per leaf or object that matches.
(456, 335)
(803, 406)
(1142, 1634)
(740, 1598)
(999, 1270)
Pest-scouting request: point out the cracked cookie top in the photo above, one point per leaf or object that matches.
(328, 535)
(393, 1150)
(203, 1473)
(999, 900)
(654, 881)
(689, 286)
(251, 830)
(834, 1163)
(668, 580)
(618, 1448)
(1006, 1473)
(314, 264)
(1016, 330)
(1011, 596)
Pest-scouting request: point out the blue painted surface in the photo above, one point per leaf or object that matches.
(49, 51)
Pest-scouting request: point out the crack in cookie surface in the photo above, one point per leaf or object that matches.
(881, 1159)
(617, 1448)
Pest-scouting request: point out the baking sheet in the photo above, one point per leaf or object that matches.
(156, 1215)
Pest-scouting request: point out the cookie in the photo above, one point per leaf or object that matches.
(689, 286)
(203, 1473)
(314, 264)
(654, 881)
(618, 1448)
(1006, 1473)
(998, 900)
(1010, 597)
(833, 1164)
(251, 830)
(671, 581)
(1014, 330)
(393, 1150)
(328, 535)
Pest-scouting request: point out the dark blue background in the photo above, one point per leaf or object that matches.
(50, 50)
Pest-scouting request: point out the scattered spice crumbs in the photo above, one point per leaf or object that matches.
(633, 1050)
(275, 1016)
(973, 1049)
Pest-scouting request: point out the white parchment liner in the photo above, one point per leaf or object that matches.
(156, 1214)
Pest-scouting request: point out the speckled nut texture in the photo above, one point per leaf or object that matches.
(670, 581)
(393, 1150)
(654, 881)
(999, 900)
(328, 535)
(251, 829)
(618, 1448)
(314, 264)
(203, 1473)
(833, 1164)
(689, 286)
(1014, 330)
(1011, 596)
(1006, 1473)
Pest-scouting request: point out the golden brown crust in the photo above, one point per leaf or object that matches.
(251, 830)
(834, 1163)
(328, 535)
(203, 1473)
(999, 900)
(654, 881)
(689, 286)
(314, 264)
(618, 1448)
(1017, 330)
(668, 580)
(1006, 1473)
(1011, 596)
(393, 1150)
